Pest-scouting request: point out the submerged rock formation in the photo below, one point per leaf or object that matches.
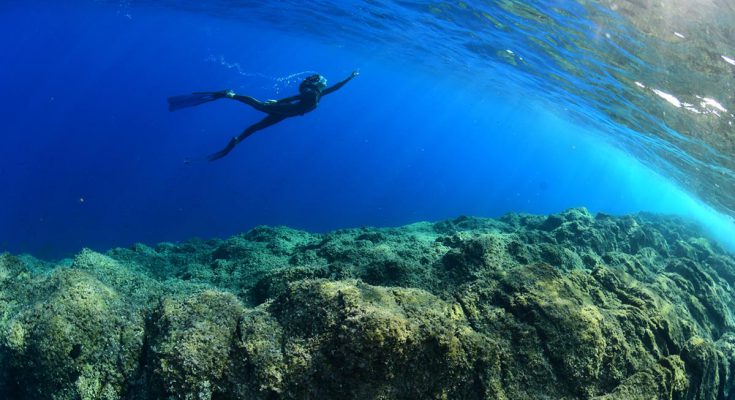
(569, 306)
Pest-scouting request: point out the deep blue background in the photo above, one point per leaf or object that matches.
(90, 156)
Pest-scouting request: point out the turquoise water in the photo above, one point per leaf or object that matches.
(461, 108)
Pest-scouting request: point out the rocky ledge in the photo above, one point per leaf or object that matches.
(567, 306)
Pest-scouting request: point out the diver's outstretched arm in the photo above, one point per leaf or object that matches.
(339, 85)
(264, 123)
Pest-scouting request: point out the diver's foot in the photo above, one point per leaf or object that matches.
(216, 156)
(223, 93)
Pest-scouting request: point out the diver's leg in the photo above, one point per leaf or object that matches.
(252, 102)
(264, 123)
(196, 98)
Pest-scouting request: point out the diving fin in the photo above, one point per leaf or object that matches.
(194, 99)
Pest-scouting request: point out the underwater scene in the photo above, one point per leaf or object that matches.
(367, 199)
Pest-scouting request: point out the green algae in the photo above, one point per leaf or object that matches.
(569, 306)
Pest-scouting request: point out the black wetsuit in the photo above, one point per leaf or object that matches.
(278, 110)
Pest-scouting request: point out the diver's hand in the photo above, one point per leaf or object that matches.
(230, 93)
(354, 74)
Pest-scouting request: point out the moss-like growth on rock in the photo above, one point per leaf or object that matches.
(78, 339)
(351, 340)
(190, 343)
(566, 306)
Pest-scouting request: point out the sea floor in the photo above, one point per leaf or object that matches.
(565, 306)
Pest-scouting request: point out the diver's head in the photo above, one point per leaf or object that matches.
(313, 82)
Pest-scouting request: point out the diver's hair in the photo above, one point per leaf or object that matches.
(310, 81)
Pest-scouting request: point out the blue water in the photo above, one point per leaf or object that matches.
(91, 157)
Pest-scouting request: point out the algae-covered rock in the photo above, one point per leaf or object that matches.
(566, 306)
(347, 339)
(190, 344)
(77, 340)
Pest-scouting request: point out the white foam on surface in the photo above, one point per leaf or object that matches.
(671, 99)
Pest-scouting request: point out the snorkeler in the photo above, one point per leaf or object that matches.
(311, 90)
